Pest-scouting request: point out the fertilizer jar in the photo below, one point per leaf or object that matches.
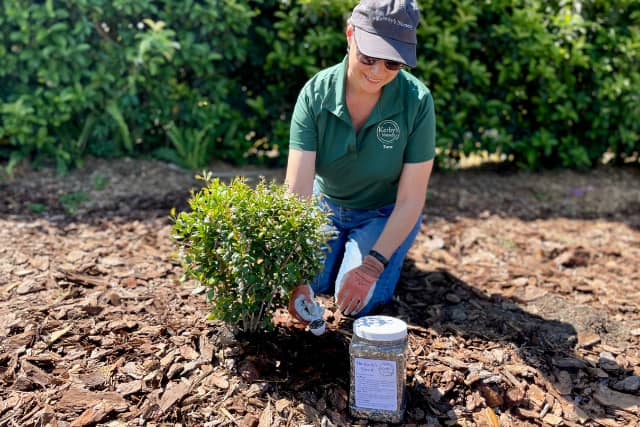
(378, 368)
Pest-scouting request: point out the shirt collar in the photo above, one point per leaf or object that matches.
(336, 101)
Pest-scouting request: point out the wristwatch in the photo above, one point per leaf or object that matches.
(377, 255)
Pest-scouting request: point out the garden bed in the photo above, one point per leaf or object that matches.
(521, 294)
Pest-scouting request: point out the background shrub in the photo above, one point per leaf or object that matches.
(112, 77)
(544, 84)
(534, 80)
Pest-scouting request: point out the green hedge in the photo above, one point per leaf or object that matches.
(544, 84)
(114, 77)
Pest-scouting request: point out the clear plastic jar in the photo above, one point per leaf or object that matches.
(378, 368)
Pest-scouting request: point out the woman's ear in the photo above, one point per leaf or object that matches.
(349, 31)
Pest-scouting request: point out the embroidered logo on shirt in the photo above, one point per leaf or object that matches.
(388, 132)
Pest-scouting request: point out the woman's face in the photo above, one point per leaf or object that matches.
(367, 78)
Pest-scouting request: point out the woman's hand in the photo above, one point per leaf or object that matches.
(358, 286)
(302, 305)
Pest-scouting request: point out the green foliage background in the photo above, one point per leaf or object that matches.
(545, 84)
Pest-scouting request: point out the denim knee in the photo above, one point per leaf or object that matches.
(388, 280)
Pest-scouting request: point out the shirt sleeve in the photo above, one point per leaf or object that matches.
(303, 133)
(421, 145)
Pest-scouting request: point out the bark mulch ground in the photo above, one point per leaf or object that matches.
(521, 294)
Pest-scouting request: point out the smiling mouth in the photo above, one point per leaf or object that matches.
(373, 81)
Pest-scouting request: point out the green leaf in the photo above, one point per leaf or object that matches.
(113, 110)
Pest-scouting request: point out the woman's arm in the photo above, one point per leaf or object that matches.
(412, 193)
(301, 171)
(359, 283)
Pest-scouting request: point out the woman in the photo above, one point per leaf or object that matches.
(362, 138)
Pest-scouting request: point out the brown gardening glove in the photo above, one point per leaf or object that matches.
(358, 286)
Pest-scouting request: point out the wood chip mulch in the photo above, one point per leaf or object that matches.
(521, 293)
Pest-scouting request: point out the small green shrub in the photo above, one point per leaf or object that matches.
(250, 247)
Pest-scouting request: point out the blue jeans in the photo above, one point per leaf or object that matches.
(357, 232)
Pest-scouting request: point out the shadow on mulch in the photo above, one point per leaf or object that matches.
(143, 189)
(119, 190)
(312, 369)
(548, 345)
(604, 193)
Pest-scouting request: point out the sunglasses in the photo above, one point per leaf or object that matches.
(369, 60)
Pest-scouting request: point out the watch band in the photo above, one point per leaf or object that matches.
(377, 255)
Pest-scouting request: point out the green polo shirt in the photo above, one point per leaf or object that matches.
(362, 171)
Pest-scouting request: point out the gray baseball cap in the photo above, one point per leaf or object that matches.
(386, 29)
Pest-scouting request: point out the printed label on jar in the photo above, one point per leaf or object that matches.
(376, 384)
